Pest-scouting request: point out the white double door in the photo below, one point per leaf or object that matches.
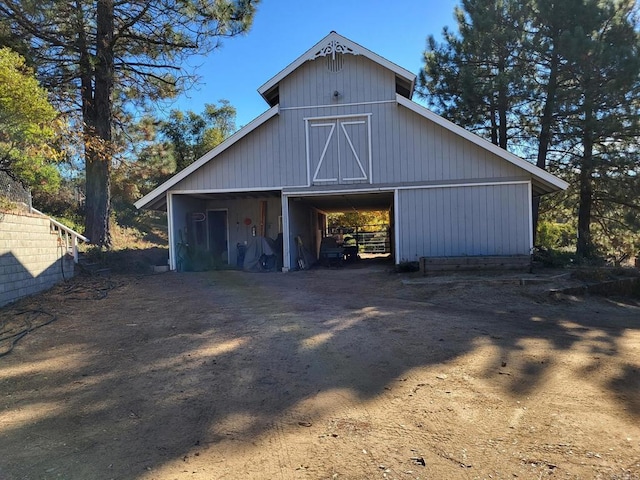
(339, 149)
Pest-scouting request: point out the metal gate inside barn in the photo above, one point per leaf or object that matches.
(305, 219)
(370, 239)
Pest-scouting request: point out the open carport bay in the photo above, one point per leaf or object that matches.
(307, 221)
(355, 373)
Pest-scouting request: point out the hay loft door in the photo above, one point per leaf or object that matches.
(339, 149)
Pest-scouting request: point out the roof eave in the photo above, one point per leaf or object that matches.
(543, 178)
(356, 49)
(151, 199)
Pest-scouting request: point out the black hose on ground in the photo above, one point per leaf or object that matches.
(11, 334)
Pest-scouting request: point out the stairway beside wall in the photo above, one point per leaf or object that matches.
(32, 257)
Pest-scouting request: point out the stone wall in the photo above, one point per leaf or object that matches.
(30, 256)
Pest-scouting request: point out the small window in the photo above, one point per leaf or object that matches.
(335, 62)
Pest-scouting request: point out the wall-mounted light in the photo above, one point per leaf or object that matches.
(336, 94)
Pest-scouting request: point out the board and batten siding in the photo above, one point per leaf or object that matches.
(272, 156)
(464, 221)
(405, 148)
(359, 80)
(410, 148)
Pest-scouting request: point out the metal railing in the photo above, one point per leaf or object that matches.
(368, 238)
(66, 234)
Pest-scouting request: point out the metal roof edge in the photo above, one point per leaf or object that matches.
(539, 173)
(161, 189)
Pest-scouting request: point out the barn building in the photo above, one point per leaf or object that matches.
(341, 134)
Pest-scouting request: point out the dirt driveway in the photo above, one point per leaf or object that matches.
(353, 374)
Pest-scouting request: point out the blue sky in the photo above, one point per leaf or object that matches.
(284, 29)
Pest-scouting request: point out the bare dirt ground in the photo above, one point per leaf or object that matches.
(352, 373)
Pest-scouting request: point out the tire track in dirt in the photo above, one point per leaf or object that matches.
(322, 373)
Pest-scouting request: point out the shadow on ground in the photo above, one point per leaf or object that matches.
(164, 364)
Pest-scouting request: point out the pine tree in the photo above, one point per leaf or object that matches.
(99, 56)
(476, 78)
(601, 116)
(572, 79)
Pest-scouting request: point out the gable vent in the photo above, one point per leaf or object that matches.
(335, 62)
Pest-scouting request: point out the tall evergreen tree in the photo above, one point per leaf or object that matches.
(602, 115)
(476, 77)
(100, 55)
(576, 105)
(553, 24)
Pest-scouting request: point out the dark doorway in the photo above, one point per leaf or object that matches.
(217, 226)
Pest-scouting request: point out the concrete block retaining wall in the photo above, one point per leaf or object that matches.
(447, 264)
(32, 258)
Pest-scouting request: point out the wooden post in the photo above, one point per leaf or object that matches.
(75, 249)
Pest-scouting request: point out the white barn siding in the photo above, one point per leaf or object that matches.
(405, 148)
(256, 161)
(240, 209)
(360, 80)
(464, 221)
(409, 148)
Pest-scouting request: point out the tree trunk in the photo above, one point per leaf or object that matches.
(503, 106)
(97, 200)
(544, 139)
(99, 153)
(502, 112)
(494, 125)
(585, 245)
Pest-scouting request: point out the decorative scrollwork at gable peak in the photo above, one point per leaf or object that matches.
(333, 47)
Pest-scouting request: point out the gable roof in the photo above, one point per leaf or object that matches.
(543, 181)
(156, 198)
(333, 44)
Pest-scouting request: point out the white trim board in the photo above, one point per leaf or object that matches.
(396, 229)
(170, 235)
(244, 131)
(286, 240)
(542, 175)
(357, 104)
(465, 185)
(530, 211)
(355, 50)
(230, 190)
(338, 117)
(316, 193)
